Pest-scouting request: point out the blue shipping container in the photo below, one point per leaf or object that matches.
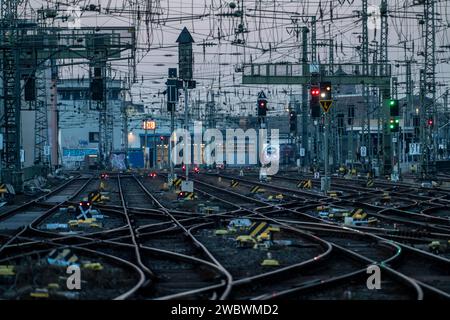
(136, 158)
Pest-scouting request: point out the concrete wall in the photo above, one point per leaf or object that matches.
(28, 133)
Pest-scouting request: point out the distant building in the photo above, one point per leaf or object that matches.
(78, 122)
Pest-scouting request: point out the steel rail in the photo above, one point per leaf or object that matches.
(196, 242)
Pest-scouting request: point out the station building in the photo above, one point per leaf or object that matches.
(78, 124)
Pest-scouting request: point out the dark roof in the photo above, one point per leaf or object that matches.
(185, 37)
(340, 72)
(416, 100)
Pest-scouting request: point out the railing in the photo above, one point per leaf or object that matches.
(296, 70)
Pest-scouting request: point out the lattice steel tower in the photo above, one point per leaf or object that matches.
(11, 164)
(428, 91)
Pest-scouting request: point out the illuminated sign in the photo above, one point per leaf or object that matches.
(149, 125)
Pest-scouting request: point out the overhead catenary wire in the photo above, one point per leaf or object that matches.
(266, 37)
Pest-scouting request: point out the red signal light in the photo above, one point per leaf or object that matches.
(262, 107)
(315, 91)
(430, 122)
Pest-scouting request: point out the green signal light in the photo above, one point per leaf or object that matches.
(392, 102)
(397, 121)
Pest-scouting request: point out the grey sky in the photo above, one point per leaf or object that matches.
(270, 38)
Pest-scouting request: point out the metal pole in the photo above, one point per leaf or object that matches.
(304, 110)
(422, 116)
(446, 134)
(379, 127)
(409, 105)
(125, 129)
(163, 152)
(399, 170)
(394, 154)
(316, 141)
(365, 61)
(53, 130)
(325, 151)
(172, 128)
(326, 180)
(155, 149)
(352, 151)
(186, 125)
(145, 146)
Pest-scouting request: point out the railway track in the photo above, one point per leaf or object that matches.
(414, 282)
(175, 253)
(394, 219)
(166, 273)
(19, 217)
(25, 249)
(34, 277)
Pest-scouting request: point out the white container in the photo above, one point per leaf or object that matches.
(348, 221)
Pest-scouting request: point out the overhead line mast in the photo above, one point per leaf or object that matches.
(365, 67)
(11, 159)
(428, 91)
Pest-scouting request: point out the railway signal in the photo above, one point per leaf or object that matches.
(326, 91)
(262, 108)
(293, 122)
(30, 88)
(315, 91)
(394, 125)
(262, 104)
(326, 101)
(173, 85)
(97, 85)
(394, 108)
(185, 55)
(315, 102)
